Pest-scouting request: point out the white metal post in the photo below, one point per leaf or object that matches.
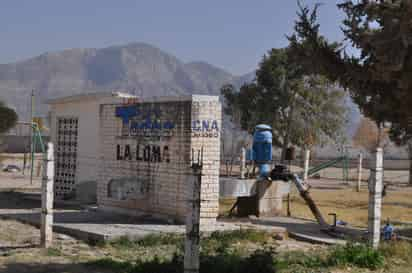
(242, 163)
(46, 230)
(306, 166)
(38, 170)
(192, 242)
(375, 199)
(360, 159)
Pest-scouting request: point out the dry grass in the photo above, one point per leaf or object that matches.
(352, 206)
(71, 256)
(349, 205)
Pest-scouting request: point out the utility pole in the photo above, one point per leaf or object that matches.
(192, 242)
(31, 137)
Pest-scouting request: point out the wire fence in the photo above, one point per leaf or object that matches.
(395, 170)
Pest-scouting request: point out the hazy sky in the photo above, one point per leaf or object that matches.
(232, 34)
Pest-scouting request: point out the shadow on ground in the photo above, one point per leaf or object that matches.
(311, 229)
(50, 268)
(22, 207)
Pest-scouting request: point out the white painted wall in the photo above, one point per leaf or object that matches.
(87, 111)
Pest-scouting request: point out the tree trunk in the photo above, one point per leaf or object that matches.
(232, 152)
(410, 161)
(302, 157)
(380, 135)
(284, 147)
(288, 129)
(410, 169)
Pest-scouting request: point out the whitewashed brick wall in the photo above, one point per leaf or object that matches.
(160, 188)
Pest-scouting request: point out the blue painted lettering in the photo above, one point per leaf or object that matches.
(127, 112)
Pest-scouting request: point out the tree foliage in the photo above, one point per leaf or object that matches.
(8, 118)
(367, 135)
(303, 110)
(380, 78)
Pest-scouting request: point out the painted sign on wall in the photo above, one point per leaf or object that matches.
(146, 153)
(205, 128)
(146, 122)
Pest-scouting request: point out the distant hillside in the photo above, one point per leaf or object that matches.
(137, 68)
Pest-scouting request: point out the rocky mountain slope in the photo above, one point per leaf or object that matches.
(137, 68)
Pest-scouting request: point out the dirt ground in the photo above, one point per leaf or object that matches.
(19, 243)
(332, 196)
(20, 252)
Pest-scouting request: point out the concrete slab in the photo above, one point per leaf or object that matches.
(95, 225)
(231, 187)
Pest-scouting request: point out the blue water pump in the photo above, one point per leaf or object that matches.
(262, 148)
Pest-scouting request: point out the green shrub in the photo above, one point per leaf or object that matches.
(221, 241)
(218, 254)
(156, 265)
(51, 251)
(232, 262)
(359, 255)
(300, 259)
(258, 262)
(162, 239)
(148, 241)
(109, 263)
(216, 242)
(250, 235)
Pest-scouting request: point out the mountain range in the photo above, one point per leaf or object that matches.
(137, 68)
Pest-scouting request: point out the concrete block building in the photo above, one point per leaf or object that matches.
(137, 153)
(75, 132)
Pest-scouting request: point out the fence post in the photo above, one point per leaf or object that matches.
(289, 213)
(242, 163)
(306, 166)
(38, 170)
(375, 199)
(192, 241)
(360, 159)
(46, 228)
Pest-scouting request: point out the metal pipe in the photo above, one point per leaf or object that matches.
(304, 193)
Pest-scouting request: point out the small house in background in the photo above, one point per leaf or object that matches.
(134, 157)
(74, 130)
